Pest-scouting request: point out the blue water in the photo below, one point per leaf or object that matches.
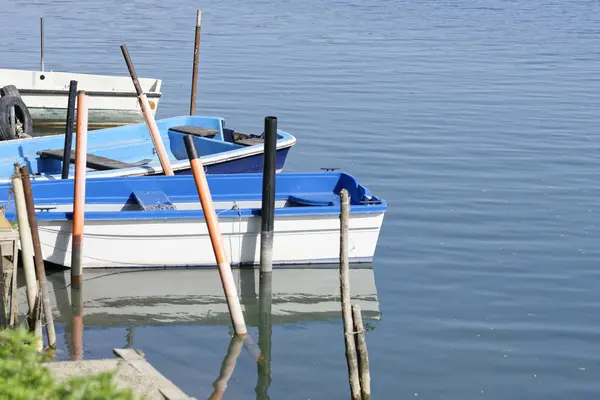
(476, 120)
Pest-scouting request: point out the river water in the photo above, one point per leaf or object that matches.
(476, 120)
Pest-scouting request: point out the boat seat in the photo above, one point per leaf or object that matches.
(153, 200)
(93, 161)
(319, 199)
(246, 140)
(196, 131)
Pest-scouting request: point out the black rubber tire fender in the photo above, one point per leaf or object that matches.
(10, 90)
(21, 112)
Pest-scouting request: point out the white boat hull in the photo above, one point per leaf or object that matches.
(311, 239)
(112, 99)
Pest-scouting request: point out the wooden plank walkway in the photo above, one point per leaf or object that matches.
(132, 370)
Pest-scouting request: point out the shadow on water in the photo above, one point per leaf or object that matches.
(129, 299)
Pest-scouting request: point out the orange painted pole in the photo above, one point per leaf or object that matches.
(233, 301)
(79, 184)
(145, 106)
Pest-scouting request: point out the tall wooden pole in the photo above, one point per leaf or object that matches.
(233, 301)
(39, 260)
(145, 106)
(195, 67)
(345, 294)
(79, 191)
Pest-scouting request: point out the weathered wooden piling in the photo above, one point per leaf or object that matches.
(227, 367)
(363, 355)
(195, 66)
(267, 213)
(39, 260)
(79, 187)
(69, 129)
(345, 294)
(233, 301)
(76, 321)
(41, 44)
(26, 239)
(145, 106)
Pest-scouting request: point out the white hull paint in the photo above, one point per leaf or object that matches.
(112, 99)
(311, 239)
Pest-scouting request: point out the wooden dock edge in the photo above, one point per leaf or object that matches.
(167, 388)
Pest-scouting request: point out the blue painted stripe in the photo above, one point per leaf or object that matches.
(182, 188)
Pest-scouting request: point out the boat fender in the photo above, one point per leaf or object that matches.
(10, 90)
(24, 121)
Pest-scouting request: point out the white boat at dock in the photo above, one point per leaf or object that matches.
(112, 99)
(157, 221)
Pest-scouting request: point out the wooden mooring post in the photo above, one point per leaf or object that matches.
(195, 65)
(233, 301)
(267, 212)
(39, 260)
(79, 188)
(360, 387)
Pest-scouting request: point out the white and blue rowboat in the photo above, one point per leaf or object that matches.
(128, 150)
(157, 221)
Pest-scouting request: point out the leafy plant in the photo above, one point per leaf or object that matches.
(24, 377)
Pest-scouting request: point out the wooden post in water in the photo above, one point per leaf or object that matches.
(363, 355)
(345, 294)
(79, 188)
(42, 44)
(69, 130)
(76, 320)
(267, 213)
(195, 67)
(227, 367)
(39, 260)
(145, 106)
(233, 301)
(26, 240)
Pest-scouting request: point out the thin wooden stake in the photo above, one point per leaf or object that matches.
(152, 127)
(195, 67)
(39, 260)
(363, 354)
(345, 294)
(79, 187)
(233, 301)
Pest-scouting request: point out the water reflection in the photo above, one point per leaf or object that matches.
(143, 298)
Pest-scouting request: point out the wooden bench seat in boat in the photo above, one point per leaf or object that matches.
(195, 131)
(93, 161)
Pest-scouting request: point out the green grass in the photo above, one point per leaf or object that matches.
(23, 375)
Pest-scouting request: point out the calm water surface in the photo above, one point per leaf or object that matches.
(477, 121)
